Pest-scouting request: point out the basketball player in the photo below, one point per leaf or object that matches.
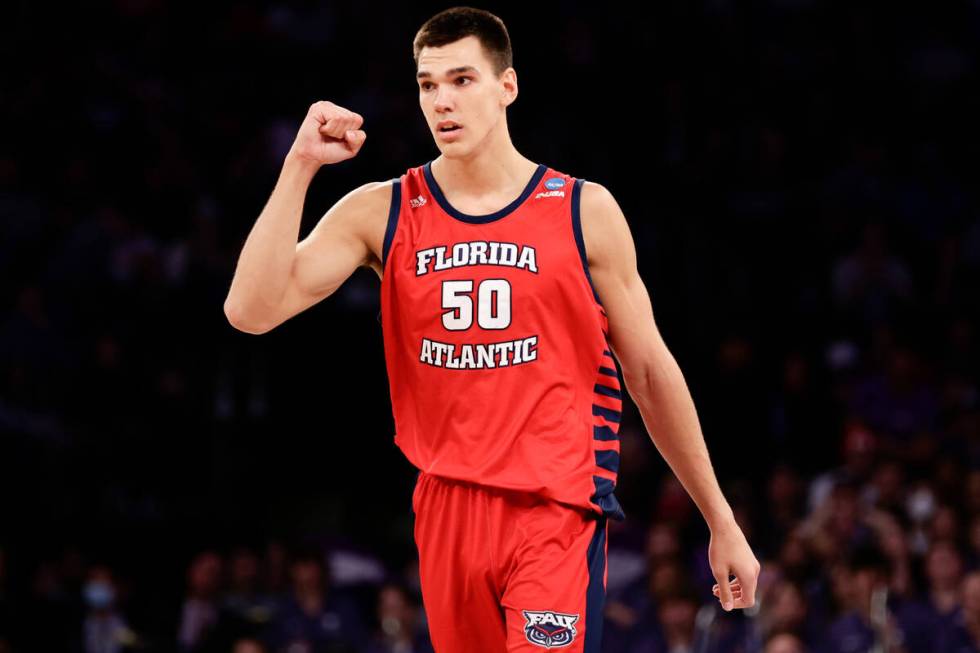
(511, 311)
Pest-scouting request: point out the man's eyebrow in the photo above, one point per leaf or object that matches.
(452, 71)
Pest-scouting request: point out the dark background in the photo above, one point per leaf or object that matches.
(800, 179)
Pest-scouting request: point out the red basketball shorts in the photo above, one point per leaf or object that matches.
(508, 572)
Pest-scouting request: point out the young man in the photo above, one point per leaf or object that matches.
(506, 288)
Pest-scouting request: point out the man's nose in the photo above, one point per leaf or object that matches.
(444, 98)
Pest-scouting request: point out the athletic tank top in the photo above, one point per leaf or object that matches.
(496, 343)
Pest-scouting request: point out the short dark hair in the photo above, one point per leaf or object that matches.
(867, 556)
(456, 23)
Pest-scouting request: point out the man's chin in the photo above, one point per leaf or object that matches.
(450, 151)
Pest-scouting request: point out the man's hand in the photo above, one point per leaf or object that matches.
(329, 134)
(729, 553)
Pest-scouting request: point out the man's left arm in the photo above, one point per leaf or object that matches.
(657, 386)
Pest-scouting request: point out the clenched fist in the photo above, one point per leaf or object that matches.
(329, 134)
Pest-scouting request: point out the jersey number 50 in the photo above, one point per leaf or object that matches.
(493, 304)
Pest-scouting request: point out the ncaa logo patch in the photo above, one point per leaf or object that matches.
(554, 183)
(549, 629)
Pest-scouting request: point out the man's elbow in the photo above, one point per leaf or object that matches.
(653, 369)
(638, 379)
(236, 319)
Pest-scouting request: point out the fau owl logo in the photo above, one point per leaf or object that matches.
(549, 629)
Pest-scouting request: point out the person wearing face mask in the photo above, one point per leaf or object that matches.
(104, 629)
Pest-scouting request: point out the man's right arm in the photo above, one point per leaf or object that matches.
(276, 277)
(263, 296)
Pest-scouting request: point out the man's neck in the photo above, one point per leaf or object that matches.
(484, 173)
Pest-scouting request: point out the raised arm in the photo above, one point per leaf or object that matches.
(656, 384)
(277, 277)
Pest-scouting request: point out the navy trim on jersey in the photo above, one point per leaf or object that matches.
(396, 200)
(393, 213)
(607, 459)
(604, 432)
(605, 497)
(595, 597)
(608, 413)
(480, 219)
(606, 391)
(619, 368)
(577, 228)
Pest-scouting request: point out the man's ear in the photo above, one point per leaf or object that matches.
(508, 80)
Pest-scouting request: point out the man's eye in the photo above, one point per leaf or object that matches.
(425, 85)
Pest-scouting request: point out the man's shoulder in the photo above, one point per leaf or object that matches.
(376, 191)
(373, 198)
(605, 230)
(596, 204)
(364, 211)
(596, 194)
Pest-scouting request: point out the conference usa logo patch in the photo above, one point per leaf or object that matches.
(549, 629)
(552, 184)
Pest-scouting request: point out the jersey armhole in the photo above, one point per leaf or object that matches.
(396, 196)
(393, 212)
(577, 230)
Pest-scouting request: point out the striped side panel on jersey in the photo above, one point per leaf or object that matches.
(607, 413)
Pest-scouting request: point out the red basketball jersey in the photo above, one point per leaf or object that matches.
(499, 366)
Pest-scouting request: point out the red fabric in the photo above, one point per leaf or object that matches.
(496, 564)
(527, 425)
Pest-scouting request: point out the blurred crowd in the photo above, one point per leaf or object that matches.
(802, 189)
(244, 600)
(864, 557)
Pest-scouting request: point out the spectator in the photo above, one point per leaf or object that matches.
(315, 618)
(872, 283)
(104, 629)
(249, 645)
(923, 618)
(399, 630)
(962, 634)
(864, 583)
(784, 609)
(243, 604)
(199, 614)
(784, 642)
(858, 448)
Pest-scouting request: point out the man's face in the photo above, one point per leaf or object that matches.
(456, 82)
(306, 576)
